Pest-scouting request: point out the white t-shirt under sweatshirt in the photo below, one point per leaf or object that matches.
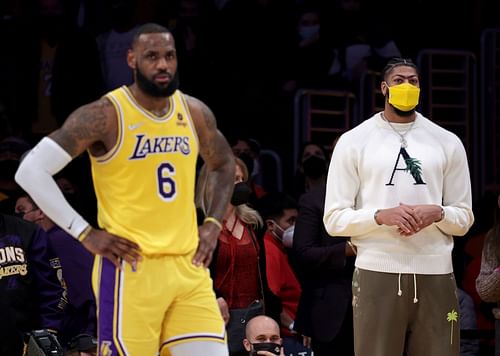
(368, 171)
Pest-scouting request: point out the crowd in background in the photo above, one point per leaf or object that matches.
(245, 59)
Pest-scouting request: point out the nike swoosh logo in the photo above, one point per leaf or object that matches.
(135, 126)
(70, 224)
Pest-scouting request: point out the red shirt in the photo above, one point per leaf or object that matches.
(281, 277)
(237, 271)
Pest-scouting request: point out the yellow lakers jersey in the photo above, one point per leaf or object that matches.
(145, 183)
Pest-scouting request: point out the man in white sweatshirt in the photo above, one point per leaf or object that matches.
(399, 185)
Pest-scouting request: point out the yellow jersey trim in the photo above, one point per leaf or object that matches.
(119, 140)
(190, 118)
(147, 113)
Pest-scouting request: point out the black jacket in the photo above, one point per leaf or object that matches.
(324, 271)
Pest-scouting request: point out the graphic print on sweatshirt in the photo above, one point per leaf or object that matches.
(412, 166)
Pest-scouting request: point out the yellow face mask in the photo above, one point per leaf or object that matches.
(404, 96)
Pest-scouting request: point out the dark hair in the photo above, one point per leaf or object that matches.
(273, 204)
(148, 28)
(396, 62)
(311, 143)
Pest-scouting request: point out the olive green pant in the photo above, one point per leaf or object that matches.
(393, 318)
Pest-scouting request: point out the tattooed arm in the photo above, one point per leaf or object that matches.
(220, 162)
(92, 126)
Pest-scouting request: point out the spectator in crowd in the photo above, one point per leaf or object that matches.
(113, 44)
(469, 345)
(75, 275)
(360, 43)
(488, 281)
(193, 30)
(11, 151)
(261, 335)
(31, 296)
(312, 168)
(311, 54)
(248, 150)
(485, 210)
(325, 267)
(239, 255)
(399, 186)
(47, 55)
(279, 212)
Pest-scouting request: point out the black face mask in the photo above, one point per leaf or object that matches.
(241, 194)
(314, 167)
(271, 347)
(19, 215)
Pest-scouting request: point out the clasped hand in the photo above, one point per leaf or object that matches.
(409, 219)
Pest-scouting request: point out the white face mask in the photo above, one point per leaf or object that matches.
(288, 236)
(307, 32)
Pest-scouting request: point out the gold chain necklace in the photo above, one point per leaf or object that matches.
(402, 138)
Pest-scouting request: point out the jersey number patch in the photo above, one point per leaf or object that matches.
(166, 184)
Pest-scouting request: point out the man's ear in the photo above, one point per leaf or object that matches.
(131, 59)
(384, 88)
(269, 224)
(247, 345)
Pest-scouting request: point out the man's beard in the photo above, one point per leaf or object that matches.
(151, 88)
(403, 113)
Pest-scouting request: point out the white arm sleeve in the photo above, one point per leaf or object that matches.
(34, 175)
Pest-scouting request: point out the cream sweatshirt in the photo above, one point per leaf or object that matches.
(368, 171)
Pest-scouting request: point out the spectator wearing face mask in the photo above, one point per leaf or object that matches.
(238, 264)
(248, 150)
(262, 337)
(311, 54)
(279, 211)
(360, 44)
(312, 169)
(73, 267)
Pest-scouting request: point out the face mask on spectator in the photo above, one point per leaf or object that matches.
(308, 32)
(241, 194)
(314, 167)
(285, 235)
(288, 236)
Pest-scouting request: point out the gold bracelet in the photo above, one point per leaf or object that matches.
(85, 233)
(213, 220)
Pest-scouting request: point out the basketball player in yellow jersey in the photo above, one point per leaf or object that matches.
(153, 289)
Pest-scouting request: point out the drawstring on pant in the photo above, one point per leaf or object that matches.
(400, 292)
(415, 300)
